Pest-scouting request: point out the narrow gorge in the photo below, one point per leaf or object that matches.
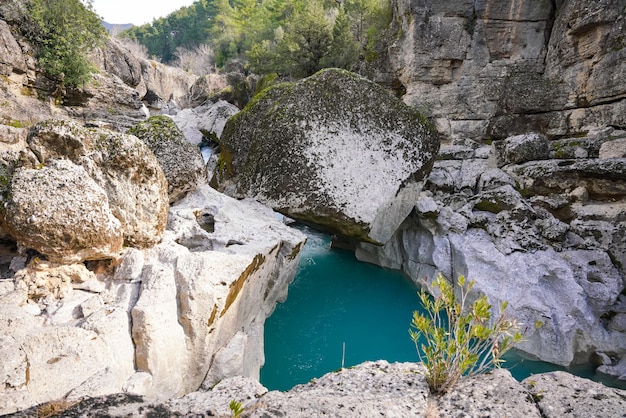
(483, 138)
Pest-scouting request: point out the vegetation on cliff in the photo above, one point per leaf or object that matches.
(456, 337)
(291, 37)
(63, 32)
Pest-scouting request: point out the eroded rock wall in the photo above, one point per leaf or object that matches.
(496, 68)
(532, 225)
(158, 322)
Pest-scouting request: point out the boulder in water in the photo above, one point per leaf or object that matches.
(334, 149)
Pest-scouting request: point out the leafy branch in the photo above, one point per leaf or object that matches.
(455, 338)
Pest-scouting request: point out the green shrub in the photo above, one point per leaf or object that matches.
(455, 338)
(64, 31)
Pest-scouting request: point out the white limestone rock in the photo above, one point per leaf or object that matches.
(204, 122)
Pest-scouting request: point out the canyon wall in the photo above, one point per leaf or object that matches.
(491, 68)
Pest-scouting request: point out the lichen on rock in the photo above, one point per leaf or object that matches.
(77, 194)
(181, 161)
(334, 149)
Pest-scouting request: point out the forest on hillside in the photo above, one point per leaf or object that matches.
(292, 38)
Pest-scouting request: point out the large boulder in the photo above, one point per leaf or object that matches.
(180, 160)
(77, 193)
(61, 211)
(335, 149)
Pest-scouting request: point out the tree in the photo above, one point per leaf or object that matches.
(344, 49)
(64, 31)
(306, 42)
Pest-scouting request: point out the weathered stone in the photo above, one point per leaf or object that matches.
(195, 299)
(334, 149)
(61, 212)
(181, 161)
(120, 164)
(205, 122)
(603, 179)
(471, 397)
(490, 69)
(560, 394)
(11, 57)
(163, 83)
(520, 149)
(613, 149)
(162, 320)
(376, 388)
(397, 389)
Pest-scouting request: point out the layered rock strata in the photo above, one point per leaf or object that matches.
(543, 233)
(499, 68)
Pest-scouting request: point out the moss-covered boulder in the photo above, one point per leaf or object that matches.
(181, 161)
(334, 149)
(77, 194)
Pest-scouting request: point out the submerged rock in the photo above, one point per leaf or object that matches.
(335, 150)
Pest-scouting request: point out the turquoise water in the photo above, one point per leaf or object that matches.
(337, 302)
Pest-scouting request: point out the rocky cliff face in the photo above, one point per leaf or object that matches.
(114, 98)
(533, 226)
(497, 68)
(160, 322)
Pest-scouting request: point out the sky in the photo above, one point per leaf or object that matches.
(137, 12)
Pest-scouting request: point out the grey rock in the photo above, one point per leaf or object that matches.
(12, 57)
(333, 149)
(521, 148)
(180, 160)
(560, 394)
(120, 164)
(484, 69)
(613, 149)
(471, 398)
(206, 122)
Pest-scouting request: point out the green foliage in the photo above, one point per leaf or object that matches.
(187, 27)
(455, 338)
(236, 408)
(293, 38)
(64, 31)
